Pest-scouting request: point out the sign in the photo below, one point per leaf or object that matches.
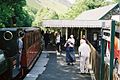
(106, 34)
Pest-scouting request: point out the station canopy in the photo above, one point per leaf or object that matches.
(77, 23)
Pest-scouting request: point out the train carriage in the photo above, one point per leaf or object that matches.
(9, 53)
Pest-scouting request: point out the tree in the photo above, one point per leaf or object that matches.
(44, 14)
(12, 12)
(82, 5)
(116, 1)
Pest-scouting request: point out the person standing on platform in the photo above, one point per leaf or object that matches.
(42, 40)
(20, 46)
(85, 39)
(70, 52)
(84, 51)
(46, 39)
(58, 42)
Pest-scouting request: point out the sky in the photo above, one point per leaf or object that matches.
(108, 0)
(71, 1)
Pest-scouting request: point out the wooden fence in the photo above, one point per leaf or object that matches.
(95, 61)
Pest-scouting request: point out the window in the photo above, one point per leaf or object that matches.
(2, 57)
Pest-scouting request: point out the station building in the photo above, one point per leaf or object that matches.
(85, 23)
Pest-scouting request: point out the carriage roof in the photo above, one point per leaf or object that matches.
(26, 29)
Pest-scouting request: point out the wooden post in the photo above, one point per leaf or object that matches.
(81, 34)
(66, 33)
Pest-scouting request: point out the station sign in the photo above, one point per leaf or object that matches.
(106, 31)
(106, 34)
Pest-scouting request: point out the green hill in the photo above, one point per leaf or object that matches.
(50, 4)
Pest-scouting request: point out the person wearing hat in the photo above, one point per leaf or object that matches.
(70, 52)
(84, 51)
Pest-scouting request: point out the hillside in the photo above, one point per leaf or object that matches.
(64, 2)
(60, 6)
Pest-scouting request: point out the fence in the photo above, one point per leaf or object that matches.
(95, 61)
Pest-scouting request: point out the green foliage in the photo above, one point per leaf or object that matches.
(92, 4)
(51, 15)
(39, 16)
(44, 14)
(82, 5)
(5, 13)
(116, 1)
(12, 12)
(24, 19)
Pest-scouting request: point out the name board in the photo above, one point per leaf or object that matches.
(106, 34)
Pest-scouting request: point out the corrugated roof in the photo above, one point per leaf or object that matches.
(77, 23)
(96, 14)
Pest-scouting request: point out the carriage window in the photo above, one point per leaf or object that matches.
(2, 57)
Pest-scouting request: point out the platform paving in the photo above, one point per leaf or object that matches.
(38, 68)
(56, 69)
(52, 66)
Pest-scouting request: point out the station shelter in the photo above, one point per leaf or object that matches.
(85, 23)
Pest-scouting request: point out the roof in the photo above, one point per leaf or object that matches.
(96, 14)
(76, 23)
(15, 28)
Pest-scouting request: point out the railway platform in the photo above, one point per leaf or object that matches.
(52, 66)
